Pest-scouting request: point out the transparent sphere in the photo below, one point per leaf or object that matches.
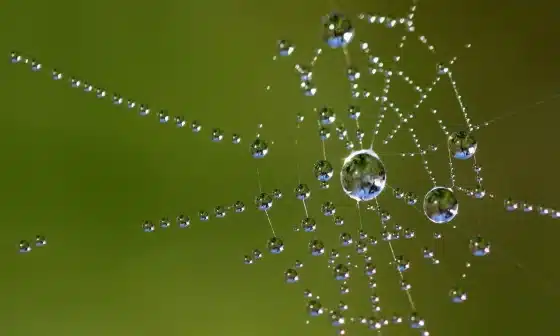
(57, 75)
(315, 308)
(334, 254)
(238, 207)
(220, 212)
(248, 260)
(402, 264)
(353, 111)
(305, 72)
(345, 239)
(291, 275)
(257, 254)
(511, 205)
(308, 88)
(302, 192)
(341, 132)
(440, 205)
(183, 221)
(327, 116)
(16, 57)
(235, 139)
(195, 125)
(527, 207)
(457, 295)
(462, 145)
(370, 269)
(309, 224)
(324, 133)
(363, 175)
(362, 234)
(148, 226)
(164, 223)
(416, 322)
(361, 246)
(179, 121)
(40, 241)
(410, 198)
(385, 216)
(203, 216)
(275, 245)
(336, 317)
(277, 194)
(263, 201)
(396, 319)
(285, 48)
(479, 246)
(338, 221)
(323, 170)
(328, 208)
(341, 272)
(479, 192)
(409, 233)
(342, 306)
(259, 148)
(427, 253)
(316, 247)
(24, 246)
(338, 30)
(36, 66)
(217, 135)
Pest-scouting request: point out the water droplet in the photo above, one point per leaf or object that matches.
(316, 247)
(338, 30)
(479, 246)
(285, 48)
(275, 245)
(148, 226)
(323, 170)
(302, 192)
(363, 175)
(462, 145)
(440, 205)
(24, 246)
(40, 240)
(263, 202)
(259, 148)
(291, 276)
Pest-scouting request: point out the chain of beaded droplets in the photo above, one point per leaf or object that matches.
(339, 32)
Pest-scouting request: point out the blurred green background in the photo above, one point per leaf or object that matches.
(86, 173)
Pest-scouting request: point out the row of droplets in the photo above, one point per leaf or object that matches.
(263, 201)
(512, 205)
(25, 246)
(259, 147)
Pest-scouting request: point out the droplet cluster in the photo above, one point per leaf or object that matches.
(363, 179)
(439, 204)
(162, 115)
(26, 246)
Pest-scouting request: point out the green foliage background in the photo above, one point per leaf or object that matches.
(86, 173)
